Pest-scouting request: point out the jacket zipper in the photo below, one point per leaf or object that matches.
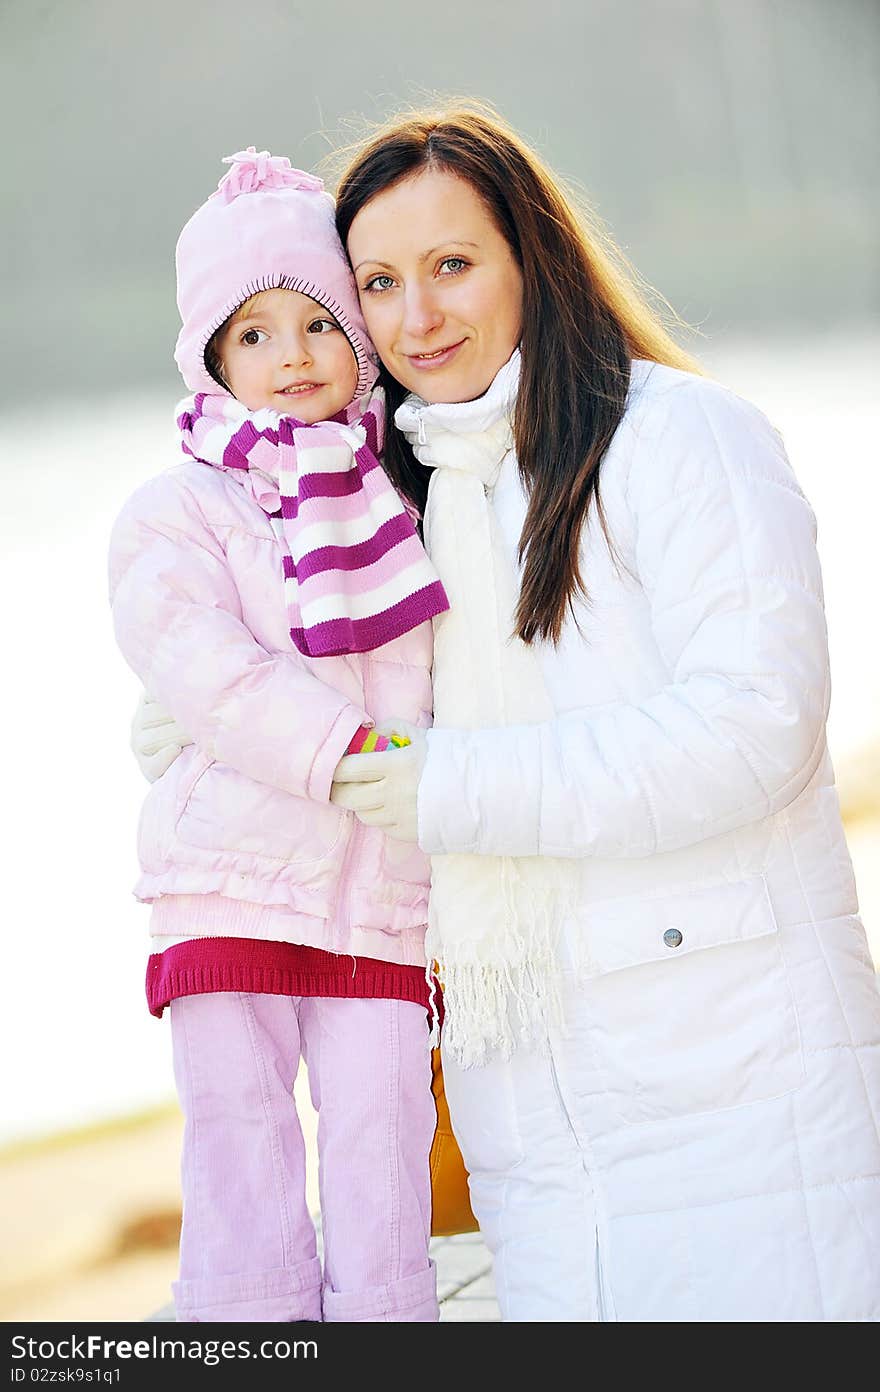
(346, 874)
(342, 911)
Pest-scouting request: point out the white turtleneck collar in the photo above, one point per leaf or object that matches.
(473, 436)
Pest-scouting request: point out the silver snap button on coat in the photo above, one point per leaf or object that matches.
(672, 937)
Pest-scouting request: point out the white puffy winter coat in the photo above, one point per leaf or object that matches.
(723, 1082)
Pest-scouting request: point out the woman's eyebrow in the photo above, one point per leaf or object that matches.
(449, 241)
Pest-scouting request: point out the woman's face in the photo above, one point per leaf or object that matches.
(440, 289)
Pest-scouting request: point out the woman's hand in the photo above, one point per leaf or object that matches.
(156, 738)
(382, 789)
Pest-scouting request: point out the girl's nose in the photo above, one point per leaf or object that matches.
(421, 312)
(295, 351)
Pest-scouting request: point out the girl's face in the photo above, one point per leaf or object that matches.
(440, 289)
(282, 350)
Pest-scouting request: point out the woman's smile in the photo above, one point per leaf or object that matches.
(436, 358)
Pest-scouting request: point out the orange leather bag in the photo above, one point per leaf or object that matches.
(451, 1211)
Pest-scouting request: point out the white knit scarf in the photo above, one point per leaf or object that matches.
(493, 921)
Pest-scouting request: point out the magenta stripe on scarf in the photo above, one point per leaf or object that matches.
(362, 553)
(235, 455)
(365, 462)
(313, 511)
(364, 578)
(327, 486)
(318, 485)
(336, 637)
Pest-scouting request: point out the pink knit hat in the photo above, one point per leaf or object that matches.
(267, 227)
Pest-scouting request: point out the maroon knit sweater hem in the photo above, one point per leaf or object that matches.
(276, 968)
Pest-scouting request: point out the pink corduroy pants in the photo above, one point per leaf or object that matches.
(247, 1248)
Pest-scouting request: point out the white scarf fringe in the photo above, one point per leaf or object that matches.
(494, 922)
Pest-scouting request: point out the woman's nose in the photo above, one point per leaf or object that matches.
(421, 313)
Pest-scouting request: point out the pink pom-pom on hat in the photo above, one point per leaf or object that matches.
(252, 170)
(268, 226)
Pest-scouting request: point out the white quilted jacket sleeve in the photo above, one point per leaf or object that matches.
(178, 620)
(724, 550)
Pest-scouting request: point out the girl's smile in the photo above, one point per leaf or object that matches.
(300, 388)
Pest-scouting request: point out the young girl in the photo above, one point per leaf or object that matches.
(272, 593)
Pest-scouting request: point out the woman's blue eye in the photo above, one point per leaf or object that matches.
(457, 263)
(373, 283)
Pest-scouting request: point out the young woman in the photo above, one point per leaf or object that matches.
(662, 1024)
(642, 903)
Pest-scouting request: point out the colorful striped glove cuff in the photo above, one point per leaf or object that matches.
(366, 741)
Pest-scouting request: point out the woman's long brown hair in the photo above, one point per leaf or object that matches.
(583, 321)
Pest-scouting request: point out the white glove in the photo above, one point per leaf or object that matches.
(382, 789)
(156, 738)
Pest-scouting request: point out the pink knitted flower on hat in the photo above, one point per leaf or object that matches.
(252, 170)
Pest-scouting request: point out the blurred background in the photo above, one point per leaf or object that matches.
(731, 151)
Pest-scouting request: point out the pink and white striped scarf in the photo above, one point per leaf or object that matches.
(355, 572)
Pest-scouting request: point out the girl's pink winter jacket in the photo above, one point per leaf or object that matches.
(199, 612)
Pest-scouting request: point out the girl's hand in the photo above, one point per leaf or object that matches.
(156, 738)
(382, 789)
